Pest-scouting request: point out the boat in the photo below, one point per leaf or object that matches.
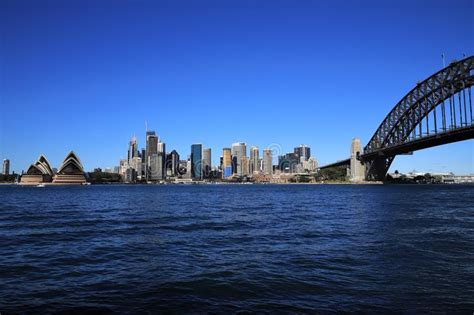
(41, 185)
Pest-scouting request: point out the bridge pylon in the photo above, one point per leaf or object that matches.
(357, 168)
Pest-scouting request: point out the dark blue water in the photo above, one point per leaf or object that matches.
(231, 248)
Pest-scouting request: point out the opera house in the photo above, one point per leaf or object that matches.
(70, 172)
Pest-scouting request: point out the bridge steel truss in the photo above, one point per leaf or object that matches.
(442, 102)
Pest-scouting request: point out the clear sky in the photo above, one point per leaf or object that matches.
(86, 75)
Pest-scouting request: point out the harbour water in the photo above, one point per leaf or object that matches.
(231, 248)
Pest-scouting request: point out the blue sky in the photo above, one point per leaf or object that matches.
(86, 75)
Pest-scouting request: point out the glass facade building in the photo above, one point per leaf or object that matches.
(196, 161)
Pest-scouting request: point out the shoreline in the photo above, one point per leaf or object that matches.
(224, 183)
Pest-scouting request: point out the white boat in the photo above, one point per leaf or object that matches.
(41, 185)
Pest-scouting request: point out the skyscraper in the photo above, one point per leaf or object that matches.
(196, 161)
(239, 150)
(303, 152)
(132, 149)
(161, 159)
(254, 165)
(244, 164)
(226, 162)
(6, 167)
(206, 162)
(289, 162)
(172, 163)
(267, 162)
(151, 150)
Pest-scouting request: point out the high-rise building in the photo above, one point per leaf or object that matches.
(196, 161)
(310, 165)
(303, 152)
(206, 162)
(172, 163)
(288, 163)
(136, 165)
(123, 166)
(161, 160)
(151, 149)
(239, 150)
(144, 164)
(267, 162)
(132, 149)
(244, 164)
(226, 162)
(254, 164)
(6, 167)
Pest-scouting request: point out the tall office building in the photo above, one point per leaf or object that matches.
(239, 150)
(226, 162)
(160, 171)
(254, 164)
(196, 161)
(303, 152)
(172, 163)
(136, 164)
(144, 165)
(267, 162)
(289, 163)
(206, 162)
(244, 162)
(151, 150)
(132, 149)
(6, 167)
(123, 166)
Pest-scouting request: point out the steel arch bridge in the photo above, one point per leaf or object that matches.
(437, 111)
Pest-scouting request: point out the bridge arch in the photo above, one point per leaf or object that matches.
(444, 99)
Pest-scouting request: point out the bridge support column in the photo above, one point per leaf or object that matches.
(357, 168)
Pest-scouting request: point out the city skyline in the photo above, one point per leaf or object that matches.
(281, 75)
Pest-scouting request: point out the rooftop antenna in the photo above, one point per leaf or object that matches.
(146, 126)
(444, 63)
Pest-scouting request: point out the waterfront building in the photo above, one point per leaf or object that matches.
(239, 150)
(267, 162)
(70, 172)
(136, 165)
(196, 161)
(38, 172)
(206, 162)
(161, 163)
(303, 152)
(6, 167)
(151, 149)
(172, 163)
(132, 149)
(254, 161)
(311, 165)
(288, 163)
(130, 175)
(189, 167)
(226, 162)
(244, 162)
(123, 166)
